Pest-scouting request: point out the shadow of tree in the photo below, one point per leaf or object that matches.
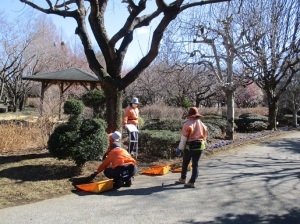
(287, 144)
(292, 217)
(19, 158)
(40, 172)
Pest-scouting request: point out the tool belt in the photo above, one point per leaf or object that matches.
(196, 145)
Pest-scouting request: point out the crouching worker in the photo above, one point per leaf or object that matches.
(118, 165)
(112, 137)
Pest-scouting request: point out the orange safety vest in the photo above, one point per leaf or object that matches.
(116, 157)
(131, 116)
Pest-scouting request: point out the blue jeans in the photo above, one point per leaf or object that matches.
(189, 155)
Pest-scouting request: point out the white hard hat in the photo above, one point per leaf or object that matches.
(116, 136)
(135, 100)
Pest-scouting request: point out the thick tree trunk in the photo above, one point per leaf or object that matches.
(113, 109)
(230, 114)
(273, 109)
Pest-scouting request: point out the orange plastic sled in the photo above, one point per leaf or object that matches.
(178, 170)
(97, 187)
(157, 170)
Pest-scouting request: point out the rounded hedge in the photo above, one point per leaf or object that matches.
(73, 107)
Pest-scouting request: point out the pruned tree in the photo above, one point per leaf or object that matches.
(115, 48)
(274, 47)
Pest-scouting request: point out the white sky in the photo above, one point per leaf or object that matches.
(67, 26)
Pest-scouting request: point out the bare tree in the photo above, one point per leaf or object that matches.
(93, 11)
(215, 43)
(13, 62)
(273, 53)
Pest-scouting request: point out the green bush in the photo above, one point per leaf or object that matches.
(186, 103)
(216, 125)
(73, 107)
(78, 140)
(251, 122)
(168, 124)
(95, 99)
(258, 126)
(214, 131)
(160, 144)
(80, 145)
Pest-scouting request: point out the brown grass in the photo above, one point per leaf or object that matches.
(24, 135)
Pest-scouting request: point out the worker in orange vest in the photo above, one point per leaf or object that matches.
(192, 143)
(131, 116)
(118, 165)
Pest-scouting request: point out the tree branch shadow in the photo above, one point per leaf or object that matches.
(292, 217)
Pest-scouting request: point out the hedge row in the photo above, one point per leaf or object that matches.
(161, 138)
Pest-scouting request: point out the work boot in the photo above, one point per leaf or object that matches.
(181, 181)
(127, 183)
(190, 185)
(118, 184)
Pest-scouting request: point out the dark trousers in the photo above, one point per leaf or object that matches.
(121, 172)
(133, 136)
(189, 155)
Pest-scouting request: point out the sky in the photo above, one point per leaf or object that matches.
(66, 26)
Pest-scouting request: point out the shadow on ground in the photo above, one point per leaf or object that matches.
(40, 172)
(292, 217)
(19, 158)
(286, 144)
(135, 191)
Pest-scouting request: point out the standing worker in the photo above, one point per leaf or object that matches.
(192, 142)
(131, 116)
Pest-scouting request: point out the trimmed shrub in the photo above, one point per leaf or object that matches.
(73, 107)
(216, 126)
(258, 126)
(95, 99)
(251, 122)
(168, 124)
(213, 131)
(160, 144)
(80, 145)
(78, 140)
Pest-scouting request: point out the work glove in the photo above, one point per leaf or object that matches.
(178, 152)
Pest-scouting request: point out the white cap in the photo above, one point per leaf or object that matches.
(116, 136)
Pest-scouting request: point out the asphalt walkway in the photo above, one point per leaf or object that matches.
(257, 183)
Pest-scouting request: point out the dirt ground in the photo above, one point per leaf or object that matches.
(32, 175)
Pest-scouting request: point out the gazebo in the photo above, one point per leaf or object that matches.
(64, 79)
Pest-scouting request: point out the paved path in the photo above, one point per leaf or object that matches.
(256, 184)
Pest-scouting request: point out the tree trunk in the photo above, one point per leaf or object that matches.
(1, 88)
(230, 114)
(114, 113)
(295, 121)
(273, 108)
